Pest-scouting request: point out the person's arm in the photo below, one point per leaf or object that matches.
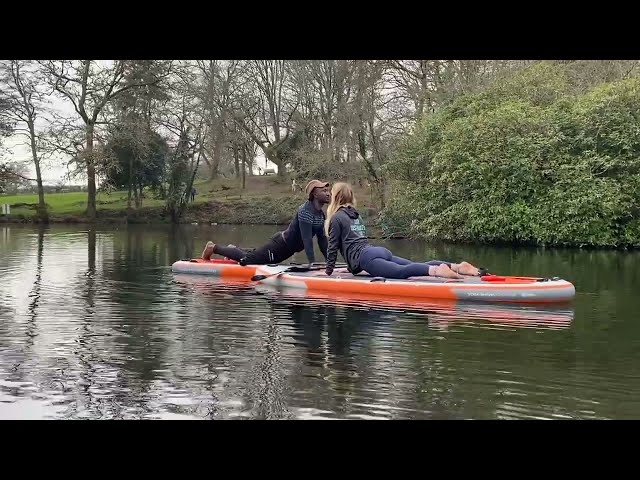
(305, 220)
(335, 234)
(323, 243)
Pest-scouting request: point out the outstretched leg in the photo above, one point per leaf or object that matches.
(274, 251)
(380, 262)
(231, 252)
(379, 267)
(234, 253)
(404, 261)
(400, 260)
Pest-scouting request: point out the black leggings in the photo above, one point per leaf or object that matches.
(274, 251)
(380, 262)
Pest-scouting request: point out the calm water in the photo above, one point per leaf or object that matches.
(93, 324)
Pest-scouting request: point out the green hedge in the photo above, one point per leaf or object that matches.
(530, 160)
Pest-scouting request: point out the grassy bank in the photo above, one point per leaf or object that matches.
(265, 200)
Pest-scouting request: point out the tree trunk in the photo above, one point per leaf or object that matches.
(244, 166)
(135, 195)
(42, 208)
(271, 155)
(424, 88)
(215, 163)
(138, 195)
(236, 160)
(251, 174)
(130, 182)
(91, 243)
(178, 210)
(218, 141)
(91, 175)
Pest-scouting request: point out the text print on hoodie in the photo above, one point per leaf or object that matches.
(347, 234)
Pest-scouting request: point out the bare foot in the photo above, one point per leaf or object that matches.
(443, 271)
(465, 268)
(208, 251)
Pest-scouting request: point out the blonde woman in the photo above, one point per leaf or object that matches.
(346, 234)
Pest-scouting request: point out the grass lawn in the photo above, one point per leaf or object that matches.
(60, 203)
(71, 203)
(219, 190)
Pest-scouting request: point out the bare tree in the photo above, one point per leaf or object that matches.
(587, 73)
(6, 129)
(220, 82)
(412, 85)
(183, 118)
(132, 135)
(89, 86)
(25, 100)
(419, 87)
(266, 107)
(13, 175)
(324, 89)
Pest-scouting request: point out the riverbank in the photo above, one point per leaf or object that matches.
(264, 201)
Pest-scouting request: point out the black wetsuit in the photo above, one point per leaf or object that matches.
(307, 223)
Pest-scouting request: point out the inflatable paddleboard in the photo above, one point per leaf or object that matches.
(215, 267)
(488, 288)
(441, 313)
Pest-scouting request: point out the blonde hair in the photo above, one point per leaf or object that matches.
(341, 196)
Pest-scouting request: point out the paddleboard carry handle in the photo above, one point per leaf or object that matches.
(295, 268)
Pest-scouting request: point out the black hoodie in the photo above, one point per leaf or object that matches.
(346, 234)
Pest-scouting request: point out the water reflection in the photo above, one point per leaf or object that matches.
(353, 349)
(35, 290)
(93, 324)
